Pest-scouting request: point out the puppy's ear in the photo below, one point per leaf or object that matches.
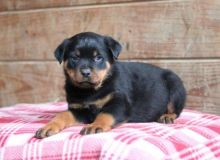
(114, 46)
(59, 52)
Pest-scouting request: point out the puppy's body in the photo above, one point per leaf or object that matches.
(143, 88)
(103, 92)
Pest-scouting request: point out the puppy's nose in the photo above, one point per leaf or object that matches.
(86, 72)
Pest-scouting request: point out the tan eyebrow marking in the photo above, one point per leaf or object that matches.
(95, 53)
(77, 52)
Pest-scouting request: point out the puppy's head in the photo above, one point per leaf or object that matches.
(87, 58)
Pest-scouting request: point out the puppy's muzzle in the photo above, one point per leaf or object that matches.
(86, 72)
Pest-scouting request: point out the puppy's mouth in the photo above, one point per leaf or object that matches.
(87, 84)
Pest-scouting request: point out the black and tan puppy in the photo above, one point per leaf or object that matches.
(103, 92)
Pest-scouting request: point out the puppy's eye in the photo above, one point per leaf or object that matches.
(75, 58)
(98, 58)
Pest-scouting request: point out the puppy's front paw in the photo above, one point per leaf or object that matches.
(48, 130)
(94, 128)
(167, 118)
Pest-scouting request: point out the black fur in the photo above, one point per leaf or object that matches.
(59, 52)
(141, 92)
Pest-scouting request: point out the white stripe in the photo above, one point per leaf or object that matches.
(124, 152)
(24, 152)
(118, 148)
(144, 145)
(75, 147)
(79, 147)
(65, 148)
(18, 139)
(72, 146)
(40, 147)
(29, 151)
(34, 151)
(2, 151)
(194, 135)
(109, 148)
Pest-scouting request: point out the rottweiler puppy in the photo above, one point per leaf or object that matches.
(103, 92)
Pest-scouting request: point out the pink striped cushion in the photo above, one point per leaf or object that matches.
(193, 136)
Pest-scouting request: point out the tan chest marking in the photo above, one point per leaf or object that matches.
(75, 105)
(99, 103)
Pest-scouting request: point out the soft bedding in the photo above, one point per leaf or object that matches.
(194, 135)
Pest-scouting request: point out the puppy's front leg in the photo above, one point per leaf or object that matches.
(103, 123)
(58, 123)
(113, 113)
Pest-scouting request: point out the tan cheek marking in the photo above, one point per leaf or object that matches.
(65, 65)
(72, 74)
(103, 74)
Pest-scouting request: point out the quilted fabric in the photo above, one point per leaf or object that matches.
(194, 135)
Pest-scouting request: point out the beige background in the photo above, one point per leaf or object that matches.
(182, 35)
